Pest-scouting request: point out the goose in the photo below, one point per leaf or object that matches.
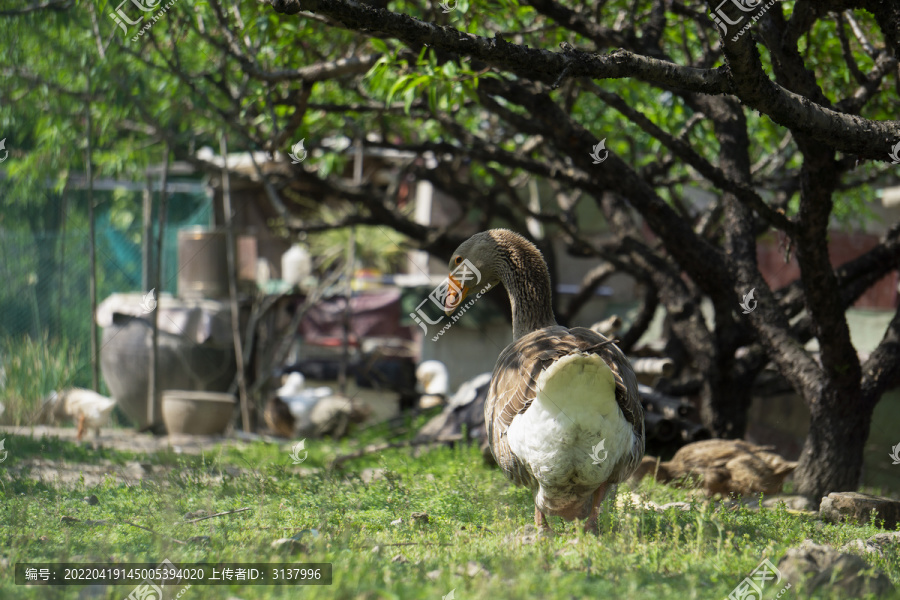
(558, 397)
(87, 407)
(433, 377)
(464, 413)
(723, 466)
(291, 408)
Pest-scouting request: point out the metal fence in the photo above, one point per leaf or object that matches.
(45, 275)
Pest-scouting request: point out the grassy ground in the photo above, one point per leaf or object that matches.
(473, 542)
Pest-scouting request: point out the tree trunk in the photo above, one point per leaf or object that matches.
(724, 404)
(832, 456)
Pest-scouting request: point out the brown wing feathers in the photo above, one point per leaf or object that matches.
(513, 389)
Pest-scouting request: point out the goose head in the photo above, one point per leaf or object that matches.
(503, 256)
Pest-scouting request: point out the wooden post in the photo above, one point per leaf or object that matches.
(348, 289)
(146, 236)
(63, 209)
(95, 350)
(232, 284)
(153, 396)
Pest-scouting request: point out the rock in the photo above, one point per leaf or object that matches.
(196, 514)
(853, 506)
(370, 475)
(397, 522)
(791, 502)
(862, 547)
(473, 568)
(883, 540)
(290, 544)
(632, 500)
(400, 559)
(815, 565)
(92, 500)
(528, 535)
(683, 506)
(433, 575)
(420, 518)
(294, 543)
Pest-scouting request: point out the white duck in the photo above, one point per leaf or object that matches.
(432, 375)
(291, 408)
(557, 395)
(88, 408)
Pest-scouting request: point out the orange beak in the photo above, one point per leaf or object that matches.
(455, 295)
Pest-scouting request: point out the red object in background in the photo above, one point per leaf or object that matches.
(842, 246)
(372, 314)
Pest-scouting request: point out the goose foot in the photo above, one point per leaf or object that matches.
(591, 525)
(540, 521)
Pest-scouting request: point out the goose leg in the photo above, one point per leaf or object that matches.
(591, 524)
(540, 520)
(80, 427)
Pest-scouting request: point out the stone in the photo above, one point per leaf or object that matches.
(790, 502)
(883, 540)
(529, 534)
(813, 565)
(473, 569)
(290, 544)
(370, 475)
(861, 547)
(682, 506)
(853, 506)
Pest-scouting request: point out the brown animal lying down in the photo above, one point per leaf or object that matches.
(722, 466)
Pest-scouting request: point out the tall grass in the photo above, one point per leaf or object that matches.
(34, 368)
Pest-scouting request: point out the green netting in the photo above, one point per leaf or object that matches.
(44, 275)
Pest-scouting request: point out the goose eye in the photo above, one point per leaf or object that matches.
(458, 259)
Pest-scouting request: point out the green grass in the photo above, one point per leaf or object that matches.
(36, 367)
(474, 516)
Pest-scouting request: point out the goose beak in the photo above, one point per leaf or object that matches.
(456, 293)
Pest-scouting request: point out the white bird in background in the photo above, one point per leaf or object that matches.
(299, 403)
(88, 408)
(434, 383)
